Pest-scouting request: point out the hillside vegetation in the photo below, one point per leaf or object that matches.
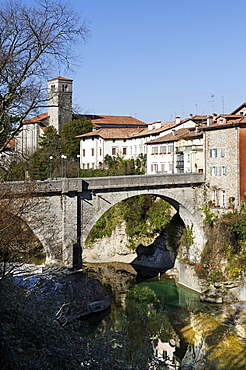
(145, 216)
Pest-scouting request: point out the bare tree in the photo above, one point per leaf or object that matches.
(17, 241)
(33, 42)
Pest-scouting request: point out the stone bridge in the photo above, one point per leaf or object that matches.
(62, 212)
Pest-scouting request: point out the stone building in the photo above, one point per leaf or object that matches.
(225, 160)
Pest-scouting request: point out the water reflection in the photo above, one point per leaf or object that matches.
(157, 317)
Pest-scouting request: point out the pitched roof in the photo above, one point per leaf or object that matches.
(169, 125)
(182, 133)
(112, 133)
(99, 120)
(60, 78)
(238, 108)
(240, 120)
(164, 127)
(38, 118)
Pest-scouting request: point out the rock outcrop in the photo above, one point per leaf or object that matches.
(156, 256)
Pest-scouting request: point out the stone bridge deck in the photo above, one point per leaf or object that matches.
(67, 185)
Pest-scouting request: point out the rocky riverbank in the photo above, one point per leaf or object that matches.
(69, 294)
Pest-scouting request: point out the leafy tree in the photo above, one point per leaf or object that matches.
(40, 165)
(50, 141)
(118, 165)
(69, 132)
(34, 41)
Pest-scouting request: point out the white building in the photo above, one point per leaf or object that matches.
(177, 152)
(95, 145)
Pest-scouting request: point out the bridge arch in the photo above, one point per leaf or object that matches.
(184, 200)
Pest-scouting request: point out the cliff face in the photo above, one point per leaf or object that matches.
(110, 248)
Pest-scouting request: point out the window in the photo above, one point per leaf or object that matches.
(124, 151)
(83, 166)
(163, 149)
(223, 198)
(154, 149)
(136, 149)
(113, 151)
(180, 162)
(163, 167)
(170, 167)
(64, 88)
(88, 166)
(213, 153)
(155, 167)
(53, 87)
(188, 158)
(83, 152)
(100, 151)
(170, 148)
(93, 166)
(214, 196)
(213, 171)
(223, 170)
(92, 152)
(222, 152)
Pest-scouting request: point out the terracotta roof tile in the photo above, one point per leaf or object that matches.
(38, 118)
(99, 120)
(239, 108)
(164, 127)
(112, 133)
(229, 123)
(60, 78)
(182, 133)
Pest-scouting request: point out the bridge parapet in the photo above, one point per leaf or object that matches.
(142, 181)
(66, 185)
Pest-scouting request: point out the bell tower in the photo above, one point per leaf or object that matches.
(59, 102)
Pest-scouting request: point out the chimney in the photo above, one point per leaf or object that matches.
(177, 120)
(209, 120)
(150, 126)
(157, 124)
(214, 116)
(173, 131)
(191, 115)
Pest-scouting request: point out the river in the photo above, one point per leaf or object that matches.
(159, 318)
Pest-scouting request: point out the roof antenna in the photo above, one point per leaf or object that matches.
(223, 105)
(212, 101)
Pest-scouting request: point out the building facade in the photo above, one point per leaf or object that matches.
(224, 155)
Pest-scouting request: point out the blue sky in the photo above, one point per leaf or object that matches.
(155, 59)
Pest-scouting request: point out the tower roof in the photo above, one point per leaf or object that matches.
(60, 78)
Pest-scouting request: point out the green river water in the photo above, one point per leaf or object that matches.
(159, 317)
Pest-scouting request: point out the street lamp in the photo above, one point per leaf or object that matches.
(78, 156)
(63, 160)
(51, 166)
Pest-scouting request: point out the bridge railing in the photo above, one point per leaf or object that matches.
(66, 185)
(142, 181)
